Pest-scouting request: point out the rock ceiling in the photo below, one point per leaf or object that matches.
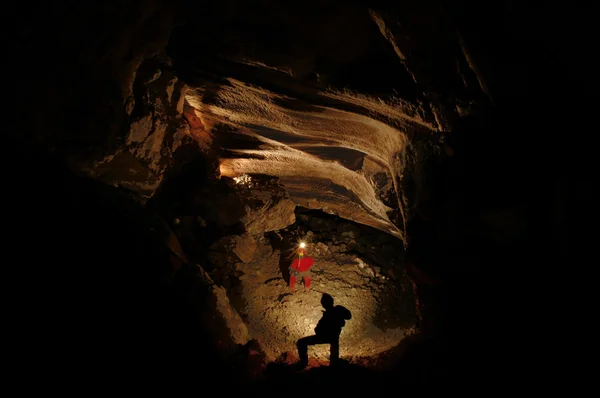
(329, 97)
(326, 157)
(300, 106)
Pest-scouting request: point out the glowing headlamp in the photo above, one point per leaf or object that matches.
(302, 245)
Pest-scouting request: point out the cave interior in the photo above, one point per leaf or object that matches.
(166, 158)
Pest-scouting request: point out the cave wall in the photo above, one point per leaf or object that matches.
(495, 224)
(158, 134)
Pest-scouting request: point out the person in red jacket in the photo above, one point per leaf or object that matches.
(300, 268)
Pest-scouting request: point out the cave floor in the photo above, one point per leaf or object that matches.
(382, 310)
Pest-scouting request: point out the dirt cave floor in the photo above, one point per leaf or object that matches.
(383, 310)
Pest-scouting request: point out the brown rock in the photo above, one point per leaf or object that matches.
(139, 130)
(271, 216)
(235, 324)
(245, 247)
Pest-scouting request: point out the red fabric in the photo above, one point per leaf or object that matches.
(302, 264)
(293, 282)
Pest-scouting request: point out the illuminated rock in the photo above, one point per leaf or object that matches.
(278, 319)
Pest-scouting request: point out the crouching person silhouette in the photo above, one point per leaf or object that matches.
(327, 331)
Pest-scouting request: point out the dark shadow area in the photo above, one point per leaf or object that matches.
(343, 378)
(287, 243)
(336, 41)
(349, 158)
(378, 72)
(94, 296)
(199, 209)
(228, 140)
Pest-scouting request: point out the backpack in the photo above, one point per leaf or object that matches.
(343, 312)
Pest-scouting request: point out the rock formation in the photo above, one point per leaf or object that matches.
(408, 143)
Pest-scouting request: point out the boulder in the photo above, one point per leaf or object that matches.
(273, 215)
(234, 323)
(245, 247)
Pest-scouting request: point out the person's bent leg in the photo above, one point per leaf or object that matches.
(307, 283)
(292, 282)
(302, 346)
